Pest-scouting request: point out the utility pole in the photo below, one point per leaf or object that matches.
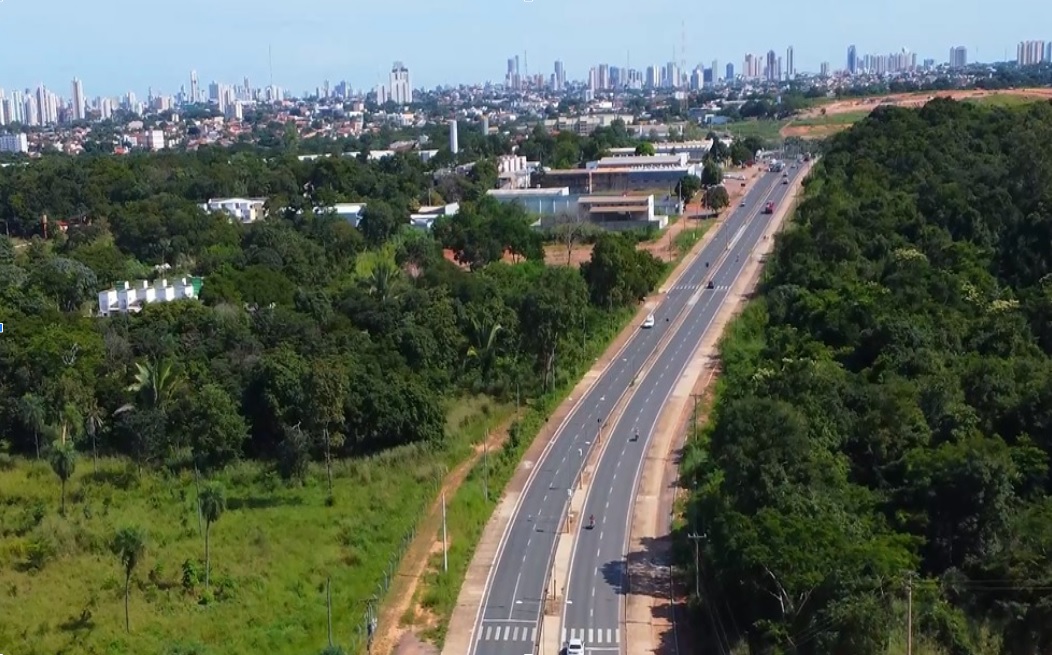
(445, 552)
(909, 613)
(697, 397)
(696, 538)
(328, 606)
(485, 466)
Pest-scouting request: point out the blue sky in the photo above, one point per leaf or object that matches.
(119, 45)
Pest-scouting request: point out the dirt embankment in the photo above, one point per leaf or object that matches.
(816, 118)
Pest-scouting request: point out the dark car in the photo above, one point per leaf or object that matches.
(710, 285)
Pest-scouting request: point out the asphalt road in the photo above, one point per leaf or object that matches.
(594, 602)
(508, 621)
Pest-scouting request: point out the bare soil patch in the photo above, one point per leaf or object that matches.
(856, 105)
(392, 636)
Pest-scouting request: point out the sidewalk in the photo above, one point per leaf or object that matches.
(650, 612)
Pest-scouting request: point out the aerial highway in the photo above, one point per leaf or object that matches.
(595, 596)
(512, 606)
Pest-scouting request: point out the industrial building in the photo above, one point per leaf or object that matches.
(612, 212)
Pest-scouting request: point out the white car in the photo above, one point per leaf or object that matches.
(648, 322)
(575, 647)
(743, 204)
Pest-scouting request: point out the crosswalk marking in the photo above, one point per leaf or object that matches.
(695, 287)
(592, 636)
(508, 633)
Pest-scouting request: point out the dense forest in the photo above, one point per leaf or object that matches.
(884, 423)
(299, 310)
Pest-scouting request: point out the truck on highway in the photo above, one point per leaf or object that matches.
(768, 208)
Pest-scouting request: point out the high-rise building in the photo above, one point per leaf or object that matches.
(485, 124)
(790, 65)
(772, 66)
(824, 69)
(852, 60)
(958, 57)
(1030, 53)
(401, 87)
(730, 73)
(454, 146)
(560, 77)
(195, 91)
(78, 100)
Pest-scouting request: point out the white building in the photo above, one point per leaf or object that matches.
(424, 217)
(246, 210)
(14, 143)
(130, 297)
(153, 140)
(349, 211)
(78, 100)
(401, 87)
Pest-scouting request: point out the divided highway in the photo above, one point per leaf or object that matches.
(508, 620)
(594, 602)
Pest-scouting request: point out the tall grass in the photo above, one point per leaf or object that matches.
(61, 590)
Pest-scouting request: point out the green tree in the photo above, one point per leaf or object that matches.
(34, 416)
(711, 174)
(716, 198)
(213, 504)
(63, 460)
(327, 390)
(687, 187)
(379, 222)
(645, 149)
(129, 545)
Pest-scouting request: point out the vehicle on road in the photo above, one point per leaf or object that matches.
(768, 208)
(786, 182)
(648, 322)
(575, 647)
(743, 204)
(591, 521)
(710, 285)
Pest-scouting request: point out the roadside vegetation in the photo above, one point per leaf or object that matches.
(881, 427)
(209, 472)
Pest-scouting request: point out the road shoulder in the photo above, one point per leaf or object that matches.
(651, 603)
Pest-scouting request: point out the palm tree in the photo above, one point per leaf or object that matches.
(94, 422)
(381, 281)
(34, 415)
(156, 383)
(63, 458)
(129, 545)
(213, 503)
(484, 333)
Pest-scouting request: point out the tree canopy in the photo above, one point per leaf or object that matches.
(884, 414)
(396, 328)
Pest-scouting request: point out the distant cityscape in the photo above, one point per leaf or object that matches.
(43, 111)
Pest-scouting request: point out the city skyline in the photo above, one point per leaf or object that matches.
(316, 40)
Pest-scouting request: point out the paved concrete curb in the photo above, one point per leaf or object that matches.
(649, 619)
(473, 590)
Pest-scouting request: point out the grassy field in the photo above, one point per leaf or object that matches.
(272, 551)
(844, 118)
(768, 130)
(1004, 100)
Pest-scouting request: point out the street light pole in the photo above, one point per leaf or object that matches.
(485, 467)
(696, 538)
(445, 551)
